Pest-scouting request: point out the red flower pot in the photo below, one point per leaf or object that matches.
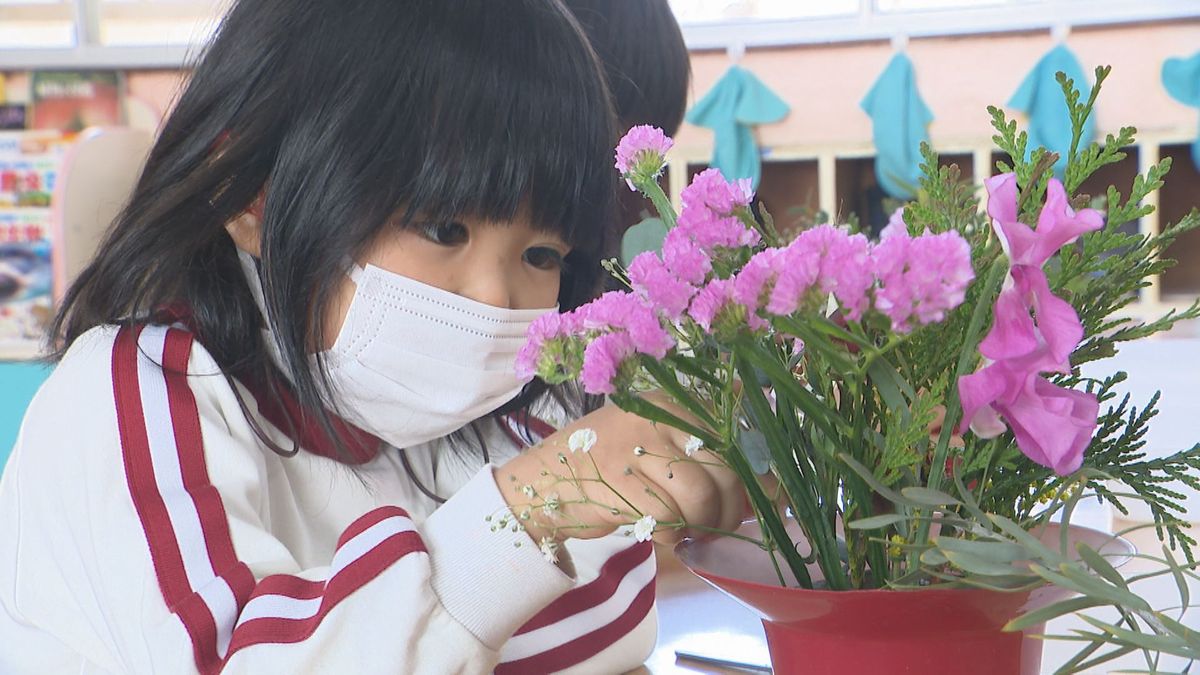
(928, 632)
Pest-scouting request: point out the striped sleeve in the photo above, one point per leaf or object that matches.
(604, 625)
(589, 619)
(253, 608)
(223, 607)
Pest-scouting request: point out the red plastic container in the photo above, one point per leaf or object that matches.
(926, 632)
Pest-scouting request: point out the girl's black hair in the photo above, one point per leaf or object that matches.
(347, 112)
(645, 59)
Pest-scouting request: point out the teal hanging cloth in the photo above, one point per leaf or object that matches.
(1181, 79)
(736, 103)
(1041, 98)
(900, 120)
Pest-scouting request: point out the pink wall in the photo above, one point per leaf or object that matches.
(958, 78)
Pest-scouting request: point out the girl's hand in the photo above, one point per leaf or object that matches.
(611, 483)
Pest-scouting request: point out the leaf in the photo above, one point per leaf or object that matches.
(1102, 567)
(872, 480)
(1156, 643)
(753, 445)
(996, 551)
(891, 387)
(927, 497)
(977, 565)
(876, 522)
(1031, 543)
(647, 235)
(1053, 611)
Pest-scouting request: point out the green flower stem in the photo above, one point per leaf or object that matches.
(966, 361)
(895, 340)
(651, 189)
(807, 511)
(669, 382)
(645, 409)
(600, 479)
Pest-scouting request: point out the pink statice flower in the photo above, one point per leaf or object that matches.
(711, 192)
(709, 213)
(684, 258)
(714, 306)
(826, 259)
(621, 311)
(709, 302)
(920, 278)
(845, 269)
(1057, 225)
(752, 284)
(895, 225)
(602, 361)
(549, 350)
(798, 267)
(642, 152)
(666, 292)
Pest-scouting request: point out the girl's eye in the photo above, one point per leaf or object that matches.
(543, 258)
(445, 234)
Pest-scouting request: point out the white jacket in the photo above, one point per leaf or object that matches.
(144, 528)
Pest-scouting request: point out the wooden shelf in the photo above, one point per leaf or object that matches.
(798, 182)
(1181, 194)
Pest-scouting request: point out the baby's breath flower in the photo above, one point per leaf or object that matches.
(550, 504)
(528, 491)
(693, 444)
(549, 549)
(643, 529)
(638, 451)
(582, 440)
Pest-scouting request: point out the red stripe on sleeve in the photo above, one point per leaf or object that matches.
(585, 646)
(175, 427)
(148, 502)
(593, 593)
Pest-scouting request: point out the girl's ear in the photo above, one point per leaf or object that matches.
(246, 229)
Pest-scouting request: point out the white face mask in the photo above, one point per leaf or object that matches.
(413, 362)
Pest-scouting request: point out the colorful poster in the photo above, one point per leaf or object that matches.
(29, 165)
(12, 116)
(73, 101)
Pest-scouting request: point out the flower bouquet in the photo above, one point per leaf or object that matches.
(916, 402)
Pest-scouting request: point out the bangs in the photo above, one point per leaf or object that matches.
(516, 120)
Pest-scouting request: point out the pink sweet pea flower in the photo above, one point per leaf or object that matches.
(1033, 332)
(1016, 334)
(1052, 425)
(1057, 225)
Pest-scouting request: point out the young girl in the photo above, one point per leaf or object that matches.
(297, 343)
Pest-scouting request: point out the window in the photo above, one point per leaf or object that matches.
(36, 23)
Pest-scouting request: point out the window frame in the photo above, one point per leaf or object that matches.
(868, 24)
